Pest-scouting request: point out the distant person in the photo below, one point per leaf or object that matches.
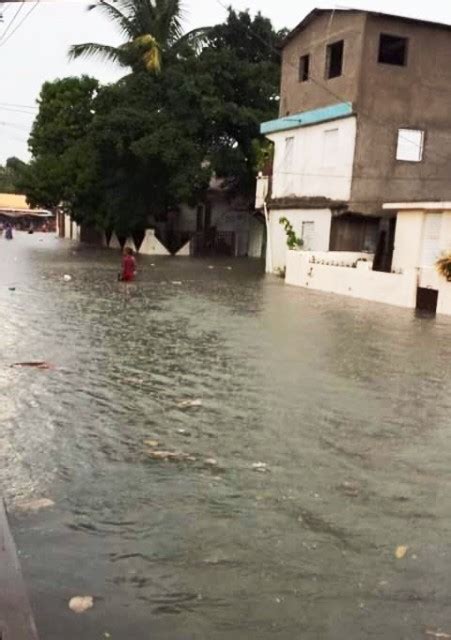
(9, 231)
(128, 272)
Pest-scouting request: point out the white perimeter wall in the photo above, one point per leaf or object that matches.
(395, 289)
(71, 229)
(322, 219)
(320, 162)
(410, 228)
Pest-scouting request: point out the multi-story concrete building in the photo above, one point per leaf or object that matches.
(365, 119)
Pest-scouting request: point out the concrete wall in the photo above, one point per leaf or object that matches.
(409, 237)
(329, 28)
(278, 240)
(395, 289)
(409, 230)
(71, 229)
(392, 97)
(444, 298)
(341, 258)
(317, 164)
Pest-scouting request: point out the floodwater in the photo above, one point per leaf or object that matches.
(347, 403)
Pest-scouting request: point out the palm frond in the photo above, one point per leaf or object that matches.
(116, 15)
(171, 14)
(102, 51)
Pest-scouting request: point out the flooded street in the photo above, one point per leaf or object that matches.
(347, 403)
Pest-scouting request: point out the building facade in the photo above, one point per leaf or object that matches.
(364, 120)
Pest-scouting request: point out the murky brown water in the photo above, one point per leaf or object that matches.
(348, 404)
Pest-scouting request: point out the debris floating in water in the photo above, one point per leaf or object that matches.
(438, 634)
(171, 456)
(34, 505)
(80, 604)
(12, 288)
(350, 489)
(401, 552)
(67, 278)
(34, 365)
(151, 443)
(211, 462)
(261, 467)
(185, 404)
(177, 283)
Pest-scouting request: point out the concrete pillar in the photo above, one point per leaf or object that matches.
(114, 242)
(185, 250)
(151, 246)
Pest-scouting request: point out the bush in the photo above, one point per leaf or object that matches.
(293, 242)
(443, 265)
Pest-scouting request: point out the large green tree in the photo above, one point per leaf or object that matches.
(152, 29)
(244, 63)
(119, 156)
(59, 142)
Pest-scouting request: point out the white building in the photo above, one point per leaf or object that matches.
(311, 183)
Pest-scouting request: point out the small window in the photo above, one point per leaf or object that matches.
(308, 235)
(334, 59)
(393, 50)
(304, 68)
(410, 145)
(289, 148)
(330, 147)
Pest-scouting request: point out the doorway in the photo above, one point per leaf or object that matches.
(427, 300)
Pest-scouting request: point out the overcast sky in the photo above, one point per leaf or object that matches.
(35, 48)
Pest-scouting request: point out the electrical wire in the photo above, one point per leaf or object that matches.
(20, 111)
(10, 24)
(19, 106)
(5, 40)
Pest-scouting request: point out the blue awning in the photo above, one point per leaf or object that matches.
(307, 118)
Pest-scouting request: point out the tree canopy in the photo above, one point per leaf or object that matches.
(115, 156)
(9, 175)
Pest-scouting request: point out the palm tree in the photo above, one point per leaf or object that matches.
(152, 29)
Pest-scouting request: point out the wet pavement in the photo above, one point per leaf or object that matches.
(347, 403)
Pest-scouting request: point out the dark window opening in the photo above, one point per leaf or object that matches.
(334, 67)
(304, 68)
(393, 50)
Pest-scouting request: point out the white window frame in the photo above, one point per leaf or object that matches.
(410, 145)
(308, 224)
(329, 156)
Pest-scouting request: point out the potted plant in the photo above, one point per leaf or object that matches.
(443, 265)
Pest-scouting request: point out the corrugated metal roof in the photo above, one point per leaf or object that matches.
(16, 205)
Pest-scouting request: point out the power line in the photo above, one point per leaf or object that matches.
(20, 106)
(21, 111)
(10, 24)
(5, 40)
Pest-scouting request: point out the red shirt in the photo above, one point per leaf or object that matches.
(128, 268)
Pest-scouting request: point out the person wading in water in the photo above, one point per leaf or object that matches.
(128, 266)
